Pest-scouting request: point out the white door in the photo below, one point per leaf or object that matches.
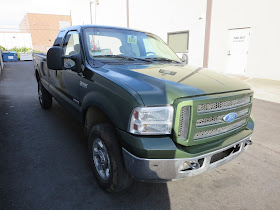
(238, 45)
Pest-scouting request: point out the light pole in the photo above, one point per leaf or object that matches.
(96, 2)
(207, 33)
(127, 13)
(90, 2)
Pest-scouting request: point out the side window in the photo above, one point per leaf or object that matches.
(71, 46)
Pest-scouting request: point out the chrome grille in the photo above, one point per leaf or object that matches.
(217, 131)
(184, 123)
(202, 121)
(219, 119)
(223, 105)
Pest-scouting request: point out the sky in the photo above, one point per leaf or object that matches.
(13, 11)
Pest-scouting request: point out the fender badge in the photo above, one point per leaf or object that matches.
(167, 72)
(83, 84)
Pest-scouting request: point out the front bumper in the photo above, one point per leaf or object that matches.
(171, 169)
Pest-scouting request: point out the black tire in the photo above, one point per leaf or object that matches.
(45, 98)
(118, 178)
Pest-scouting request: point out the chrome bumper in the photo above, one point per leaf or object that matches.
(171, 169)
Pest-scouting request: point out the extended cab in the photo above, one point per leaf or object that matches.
(147, 114)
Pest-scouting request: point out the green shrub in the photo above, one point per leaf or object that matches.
(36, 51)
(3, 48)
(20, 50)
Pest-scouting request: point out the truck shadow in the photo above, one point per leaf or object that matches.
(69, 132)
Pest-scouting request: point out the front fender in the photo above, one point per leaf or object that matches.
(117, 107)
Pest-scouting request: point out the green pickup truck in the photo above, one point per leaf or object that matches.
(147, 115)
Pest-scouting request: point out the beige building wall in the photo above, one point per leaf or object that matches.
(159, 17)
(263, 18)
(44, 28)
(164, 16)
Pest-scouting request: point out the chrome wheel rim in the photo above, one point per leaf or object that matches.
(40, 93)
(101, 159)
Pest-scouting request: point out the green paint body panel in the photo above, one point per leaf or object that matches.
(156, 88)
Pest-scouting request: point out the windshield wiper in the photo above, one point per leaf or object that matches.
(122, 56)
(162, 59)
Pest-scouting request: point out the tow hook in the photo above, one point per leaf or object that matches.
(194, 164)
(248, 142)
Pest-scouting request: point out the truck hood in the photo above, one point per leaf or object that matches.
(160, 84)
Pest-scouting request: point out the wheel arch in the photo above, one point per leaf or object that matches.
(37, 75)
(93, 115)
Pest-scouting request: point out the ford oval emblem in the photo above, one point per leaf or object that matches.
(230, 117)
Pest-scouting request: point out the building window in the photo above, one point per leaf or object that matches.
(63, 24)
(178, 41)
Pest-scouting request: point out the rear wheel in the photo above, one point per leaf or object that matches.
(106, 159)
(45, 98)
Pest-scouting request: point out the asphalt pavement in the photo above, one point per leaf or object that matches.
(44, 165)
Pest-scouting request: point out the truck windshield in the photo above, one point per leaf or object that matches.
(111, 43)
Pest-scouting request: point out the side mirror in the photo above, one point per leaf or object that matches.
(185, 58)
(55, 60)
(77, 58)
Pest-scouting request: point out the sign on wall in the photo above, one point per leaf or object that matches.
(238, 48)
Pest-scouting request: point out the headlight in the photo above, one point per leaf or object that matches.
(151, 120)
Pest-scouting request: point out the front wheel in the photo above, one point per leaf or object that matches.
(106, 159)
(45, 98)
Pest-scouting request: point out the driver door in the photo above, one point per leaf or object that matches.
(68, 80)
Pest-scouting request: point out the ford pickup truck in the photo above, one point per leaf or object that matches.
(148, 115)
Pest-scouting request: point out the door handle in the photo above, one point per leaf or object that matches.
(81, 75)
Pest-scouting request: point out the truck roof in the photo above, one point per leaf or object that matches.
(97, 26)
(62, 32)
